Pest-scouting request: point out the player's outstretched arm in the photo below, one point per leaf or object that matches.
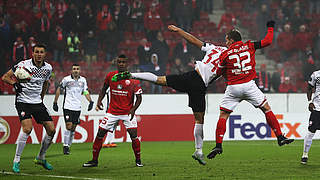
(189, 37)
(269, 37)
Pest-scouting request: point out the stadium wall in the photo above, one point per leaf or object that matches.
(168, 118)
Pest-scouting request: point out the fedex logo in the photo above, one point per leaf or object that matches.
(261, 130)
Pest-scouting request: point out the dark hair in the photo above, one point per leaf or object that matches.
(40, 46)
(122, 56)
(75, 64)
(234, 35)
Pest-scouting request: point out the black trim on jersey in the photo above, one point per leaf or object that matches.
(108, 102)
(257, 45)
(64, 97)
(43, 63)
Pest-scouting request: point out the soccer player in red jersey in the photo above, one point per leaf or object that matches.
(237, 65)
(122, 107)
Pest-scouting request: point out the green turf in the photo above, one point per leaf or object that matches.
(171, 160)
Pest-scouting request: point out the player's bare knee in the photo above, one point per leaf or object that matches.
(265, 107)
(51, 132)
(133, 133)
(199, 117)
(27, 130)
(224, 114)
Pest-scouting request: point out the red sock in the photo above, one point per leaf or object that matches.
(221, 129)
(96, 148)
(273, 123)
(136, 147)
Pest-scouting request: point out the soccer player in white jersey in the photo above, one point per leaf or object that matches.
(194, 83)
(314, 108)
(74, 87)
(29, 103)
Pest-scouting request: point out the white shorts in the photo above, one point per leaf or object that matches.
(110, 121)
(234, 94)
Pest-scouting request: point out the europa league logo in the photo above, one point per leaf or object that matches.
(4, 131)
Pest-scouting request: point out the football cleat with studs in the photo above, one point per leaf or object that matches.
(282, 140)
(304, 160)
(91, 163)
(66, 150)
(199, 158)
(138, 163)
(214, 152)
(44, 163)
(16, 167)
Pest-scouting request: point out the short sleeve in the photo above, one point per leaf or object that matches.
(17, 65)
(63, 83)
(207, 47)
(49, 74)
(85, 85)
(137, 88)
(108, 78)
(312, 80)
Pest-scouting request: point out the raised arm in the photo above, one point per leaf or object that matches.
(268, 39)
(189, 37)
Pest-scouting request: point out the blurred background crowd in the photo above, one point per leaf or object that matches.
(92, 33)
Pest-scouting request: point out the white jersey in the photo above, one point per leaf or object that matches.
(315, 82)
(31, 91)
(208, 66)
(73, 90)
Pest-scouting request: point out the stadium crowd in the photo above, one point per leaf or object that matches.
(93, 32)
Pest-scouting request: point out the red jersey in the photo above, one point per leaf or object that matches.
(239, 63)
(122, 94)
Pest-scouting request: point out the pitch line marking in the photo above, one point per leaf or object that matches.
(50, 176)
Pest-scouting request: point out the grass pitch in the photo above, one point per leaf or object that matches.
(168, 160)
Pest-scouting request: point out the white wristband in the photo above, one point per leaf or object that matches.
(310, 101)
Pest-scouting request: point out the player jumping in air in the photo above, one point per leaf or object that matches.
(122, 107)
(237, 64)
(194, 83)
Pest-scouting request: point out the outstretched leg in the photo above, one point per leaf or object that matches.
(147, 76)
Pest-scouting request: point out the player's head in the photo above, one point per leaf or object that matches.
(122, 63)
(39, 52)
(233, 36)
(75, 71)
